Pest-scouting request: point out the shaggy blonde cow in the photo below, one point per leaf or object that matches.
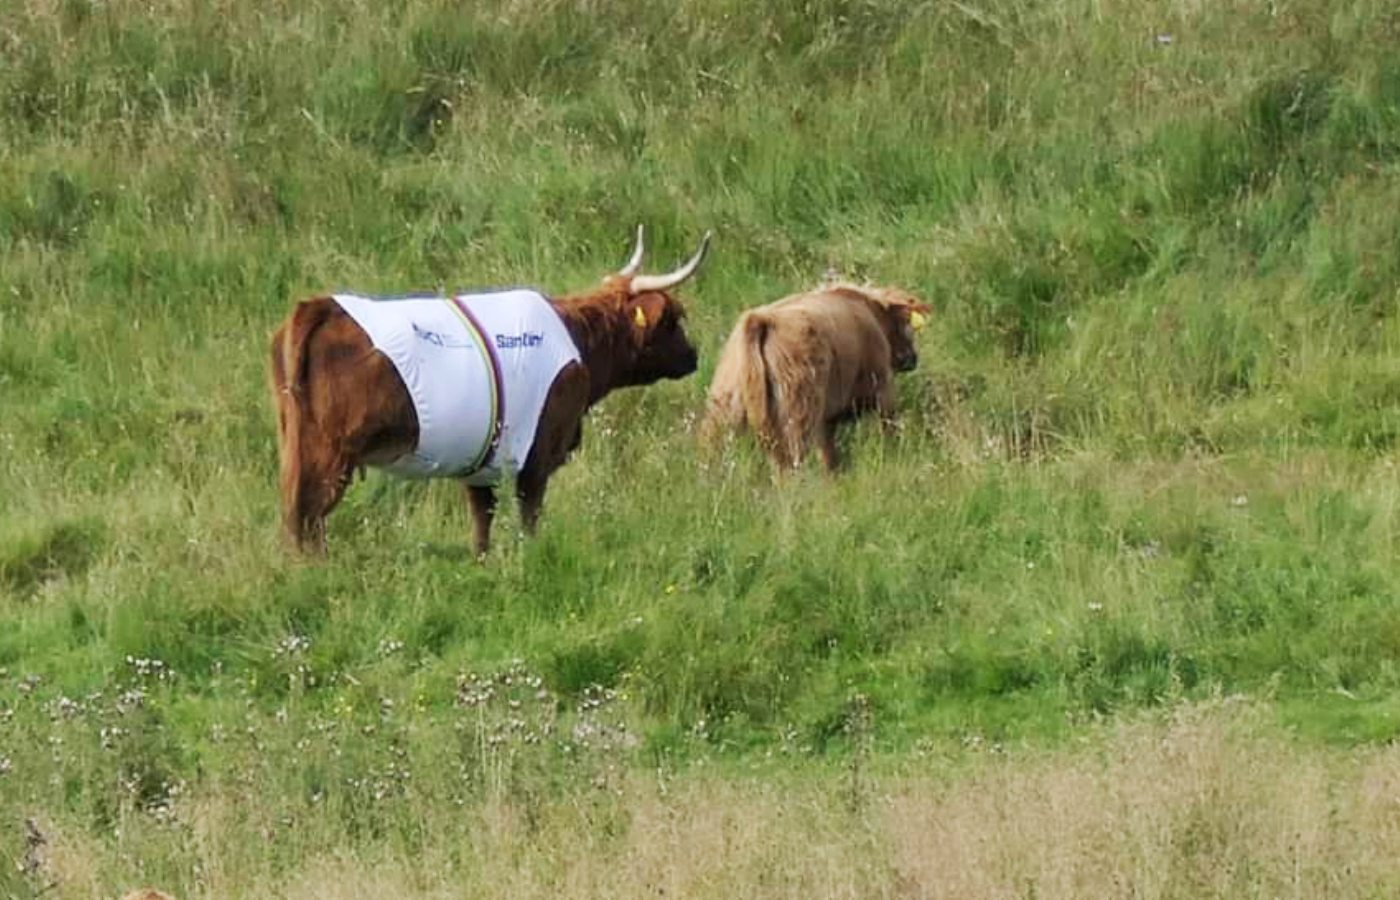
(793, 369)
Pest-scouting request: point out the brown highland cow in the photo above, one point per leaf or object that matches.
(477, 387)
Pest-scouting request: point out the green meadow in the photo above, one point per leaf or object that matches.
(1116, 611)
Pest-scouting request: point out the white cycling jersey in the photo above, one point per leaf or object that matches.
(478, 367)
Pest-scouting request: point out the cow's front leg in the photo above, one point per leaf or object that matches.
(530, 489)
(831, 458)
(886, 409)
(482, 502)
(560, 432)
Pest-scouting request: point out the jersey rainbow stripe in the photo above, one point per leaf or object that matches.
(498, 406)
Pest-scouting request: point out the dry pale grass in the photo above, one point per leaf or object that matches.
(1209, 801)
(1200, 805)
(1190, 809)
(707, 838)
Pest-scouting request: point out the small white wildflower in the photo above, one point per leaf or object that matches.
(1150, 550)
(109, 735)
(292, 644)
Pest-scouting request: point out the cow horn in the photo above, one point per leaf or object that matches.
(643, 283)
(635, 262)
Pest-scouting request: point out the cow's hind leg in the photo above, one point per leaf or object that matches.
(321, 482)
(343, 406)
(802, 429)
(804, 411)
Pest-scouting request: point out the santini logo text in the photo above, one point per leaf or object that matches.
(524, 339)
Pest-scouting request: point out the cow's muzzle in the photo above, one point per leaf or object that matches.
(686, 363)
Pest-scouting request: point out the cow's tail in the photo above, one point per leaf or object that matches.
(756, 386)
(289, 344)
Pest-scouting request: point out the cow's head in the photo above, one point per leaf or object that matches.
(901, 314)
(656, 319)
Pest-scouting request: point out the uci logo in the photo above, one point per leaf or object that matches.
(524, 339)
(436, 338)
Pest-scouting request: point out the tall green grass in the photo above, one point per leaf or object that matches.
(1148, 455)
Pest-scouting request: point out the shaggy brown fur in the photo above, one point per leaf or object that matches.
(794, 368)
(341, 404)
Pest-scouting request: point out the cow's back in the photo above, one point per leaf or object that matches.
(839, 339)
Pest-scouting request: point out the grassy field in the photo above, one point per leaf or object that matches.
(1117, 612)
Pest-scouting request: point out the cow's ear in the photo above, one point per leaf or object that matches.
(647, 310)
(917, 314)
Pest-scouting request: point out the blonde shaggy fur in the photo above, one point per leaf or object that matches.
(791, 370)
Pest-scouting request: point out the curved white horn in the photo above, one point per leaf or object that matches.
(665, 282)
(635, 262)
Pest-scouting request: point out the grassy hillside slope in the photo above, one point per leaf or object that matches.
(1148, 458)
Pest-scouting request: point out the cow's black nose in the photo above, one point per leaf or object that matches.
(687, 363)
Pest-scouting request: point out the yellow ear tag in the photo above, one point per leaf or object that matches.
(917, 320)
(639, 317)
